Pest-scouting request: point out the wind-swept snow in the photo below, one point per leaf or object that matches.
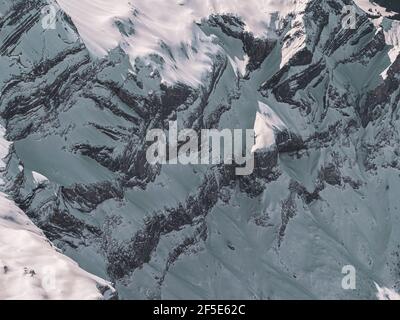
(31, 268)
(170, 31)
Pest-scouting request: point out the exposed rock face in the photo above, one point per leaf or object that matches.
(322, 197)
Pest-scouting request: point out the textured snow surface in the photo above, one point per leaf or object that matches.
(30, 267)
(168, 28)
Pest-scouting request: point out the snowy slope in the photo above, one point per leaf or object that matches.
(31, 268)
(142, 31)
(77, 102)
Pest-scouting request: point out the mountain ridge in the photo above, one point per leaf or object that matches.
(322, 198)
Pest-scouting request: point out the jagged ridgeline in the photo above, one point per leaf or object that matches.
(83, 81)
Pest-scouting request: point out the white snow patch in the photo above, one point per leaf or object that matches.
(39, 178)
(391, 30)
(386, 294)
(295, 41)
(4, 146)
(239, 66)
(266, 123)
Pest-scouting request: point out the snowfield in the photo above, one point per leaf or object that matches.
(186, 51)
(31, 268)
(170, 31)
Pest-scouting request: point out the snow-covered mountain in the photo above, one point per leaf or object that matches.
(31, 268)
(77, 101)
